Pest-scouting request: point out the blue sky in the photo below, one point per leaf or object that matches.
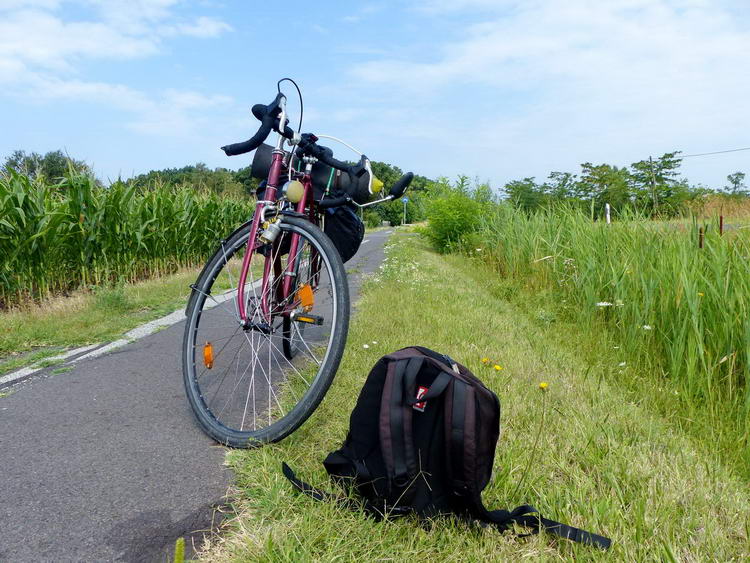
(495, 89)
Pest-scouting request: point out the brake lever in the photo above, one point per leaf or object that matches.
(282, 118)
(361, 167)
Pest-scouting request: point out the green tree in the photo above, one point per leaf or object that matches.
(737, 184)
(394, 211)
(51, 166)
(245, 177)
(602, 184)
(560, 186)
(199, 176)
(656, 185)
(525, 194)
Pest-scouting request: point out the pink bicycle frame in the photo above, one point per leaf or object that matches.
(274, 175)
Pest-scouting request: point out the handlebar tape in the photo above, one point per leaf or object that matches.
(398, 189)
(269, 120)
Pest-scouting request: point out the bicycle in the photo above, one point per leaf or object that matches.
(267, 318)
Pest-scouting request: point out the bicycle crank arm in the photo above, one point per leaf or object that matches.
(262, 327)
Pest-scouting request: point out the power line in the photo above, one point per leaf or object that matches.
(716, 152)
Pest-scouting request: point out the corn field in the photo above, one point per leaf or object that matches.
(675, 310)
(76, 233)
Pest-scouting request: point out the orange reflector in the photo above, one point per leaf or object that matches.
(305, 296)
(208, 355)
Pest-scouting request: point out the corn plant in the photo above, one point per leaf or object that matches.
(77, 233)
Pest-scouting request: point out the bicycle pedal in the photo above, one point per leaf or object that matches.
(307, 318)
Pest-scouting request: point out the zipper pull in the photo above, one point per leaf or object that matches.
(451, 363)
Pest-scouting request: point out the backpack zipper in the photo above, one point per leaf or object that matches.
(451, 363)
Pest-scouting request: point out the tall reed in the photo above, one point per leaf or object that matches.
(677, 311)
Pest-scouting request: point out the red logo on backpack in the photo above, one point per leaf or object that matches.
(421, 392)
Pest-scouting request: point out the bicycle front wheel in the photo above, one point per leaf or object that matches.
(243, 385)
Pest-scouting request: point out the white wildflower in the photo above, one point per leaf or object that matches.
(604, 304)
(647, 327)
(365, 346)
(622, 364)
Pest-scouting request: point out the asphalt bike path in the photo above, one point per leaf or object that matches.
(105, 462)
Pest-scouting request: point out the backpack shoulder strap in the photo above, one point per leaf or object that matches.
(460, 421)
(527, 515)
(377, 512)
(396, 439)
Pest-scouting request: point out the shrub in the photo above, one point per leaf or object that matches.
(450, 217)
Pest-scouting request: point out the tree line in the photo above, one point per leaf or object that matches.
(652, 186)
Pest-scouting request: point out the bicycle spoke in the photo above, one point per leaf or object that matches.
(230, 376)
(309, 351)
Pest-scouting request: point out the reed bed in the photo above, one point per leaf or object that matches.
(675, 310)
(76, 233)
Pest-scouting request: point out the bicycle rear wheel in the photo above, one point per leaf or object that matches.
(243, 385)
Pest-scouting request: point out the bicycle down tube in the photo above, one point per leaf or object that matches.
(274, 175)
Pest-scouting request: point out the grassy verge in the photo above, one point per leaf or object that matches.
(606, 461)
(34, 332)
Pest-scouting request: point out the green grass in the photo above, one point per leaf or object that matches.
(87, 317)
(24, 358)
(680, 314)
(607, 460)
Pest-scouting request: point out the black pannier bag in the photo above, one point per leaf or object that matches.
(322, 176)
(345, 229)
(342, 225)
(422, 440)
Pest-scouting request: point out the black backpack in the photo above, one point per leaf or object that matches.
(422, 440)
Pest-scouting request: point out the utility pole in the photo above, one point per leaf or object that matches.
(653, 182)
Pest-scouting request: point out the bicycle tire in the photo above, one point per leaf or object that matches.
(306, 405)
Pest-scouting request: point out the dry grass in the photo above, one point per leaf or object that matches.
(718, 204)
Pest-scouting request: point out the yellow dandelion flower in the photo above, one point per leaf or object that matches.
(543, 386)
(700, 294)
(497, 367)
(485, 360)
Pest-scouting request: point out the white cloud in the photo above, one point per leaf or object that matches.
(46, 42)
(203, 27)
(590, 78)
(41, 52)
